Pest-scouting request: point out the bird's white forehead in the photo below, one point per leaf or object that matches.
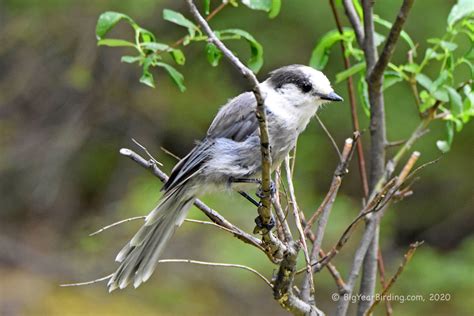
(320, 82)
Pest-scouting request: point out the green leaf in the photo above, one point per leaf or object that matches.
(255, 61)
(427, 101)
(443, 146)
(275, 10)
(343, 75)
(320, 54)
(207, 6)
(378, 39)
(213, 54)
(391, 78)
(177, 77)
(112, 42)
(145, 35)
(424, 81)
(178, 18)
(130, 59)
(449, 46)
(432, 54)
(364, 95)
(263, 5)
(455, 100)
(108, 20)
(404, 35)
(178, 56)
(147, 79)
(412, 67)
(460, 10)
(155, 47)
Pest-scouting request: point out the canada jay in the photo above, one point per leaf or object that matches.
(229, 153)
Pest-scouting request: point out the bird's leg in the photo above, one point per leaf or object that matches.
(249, 198)
(259, 193)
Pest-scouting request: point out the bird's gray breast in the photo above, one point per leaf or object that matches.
(282, 138)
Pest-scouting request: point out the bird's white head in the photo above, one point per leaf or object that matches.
(300, 86)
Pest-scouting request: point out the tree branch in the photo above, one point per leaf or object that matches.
(377, 72)
(354, 20)
(264, 210)
(352, 95)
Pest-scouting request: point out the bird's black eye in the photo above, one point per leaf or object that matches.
(306, 87)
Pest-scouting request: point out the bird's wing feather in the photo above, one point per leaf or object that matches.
(236, 120)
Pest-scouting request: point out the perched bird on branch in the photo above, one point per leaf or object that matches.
(228, 157)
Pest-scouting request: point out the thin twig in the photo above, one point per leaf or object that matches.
(204, 263)
(217, 264)
(333, 142)
(147, 152)
(279, 211)
(88, 282)
(116, 223)
(406, 260)
(291, 190)
(381, 267)
(169, 153)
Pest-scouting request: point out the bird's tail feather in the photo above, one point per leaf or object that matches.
(138, 258)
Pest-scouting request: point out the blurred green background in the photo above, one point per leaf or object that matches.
(67, 107)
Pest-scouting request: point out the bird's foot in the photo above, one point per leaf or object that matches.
(260, 192)
(269, 226)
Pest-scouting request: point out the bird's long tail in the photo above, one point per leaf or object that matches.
(139, 257)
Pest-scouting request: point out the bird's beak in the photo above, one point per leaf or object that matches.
(332, 97)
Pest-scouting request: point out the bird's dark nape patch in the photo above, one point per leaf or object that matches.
(290, 74)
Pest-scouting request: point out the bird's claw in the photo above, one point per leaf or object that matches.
(269, 226)
(260, 192)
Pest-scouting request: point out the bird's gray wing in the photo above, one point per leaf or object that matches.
(236, 120)
(189, 165)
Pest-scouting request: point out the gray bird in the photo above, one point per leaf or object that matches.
(228, 155)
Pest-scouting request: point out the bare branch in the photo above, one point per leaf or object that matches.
(204, 263)
(333, 142)
(406, 260)
(147, 152)
(88, 282)
(309, 270)
(264, 210)
(369, 33)
(354, 20)
(377, 72)
(116, 223)
(217, 264)
(279, 211)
